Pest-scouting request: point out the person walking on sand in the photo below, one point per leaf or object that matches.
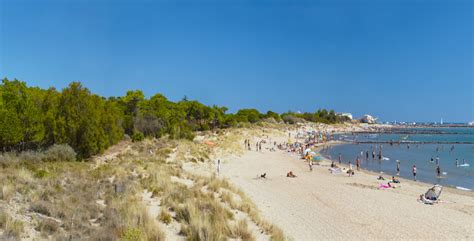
(398, 168)
(350, 169)
(414, 172)
(358, 163)
(218, 167)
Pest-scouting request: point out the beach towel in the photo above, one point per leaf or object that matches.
(384, 186)
(335, 170)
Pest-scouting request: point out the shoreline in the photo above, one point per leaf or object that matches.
(375, 173)
(328, 206)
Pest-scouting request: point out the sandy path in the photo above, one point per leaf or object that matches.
(319, 205)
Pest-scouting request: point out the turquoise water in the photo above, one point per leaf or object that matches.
(418, 154)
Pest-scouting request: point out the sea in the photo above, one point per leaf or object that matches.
(414, 146)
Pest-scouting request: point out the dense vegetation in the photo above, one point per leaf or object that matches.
(32, 118)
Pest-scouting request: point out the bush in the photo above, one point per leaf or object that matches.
(40, 207)
(60, 153)
(41, 174)
(48, 226)
(132, 234)
(165, 217)
(138, 136)
(290, 119)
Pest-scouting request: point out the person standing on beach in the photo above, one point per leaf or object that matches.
(398, 168)
(367, 155)
(457, 162)
(218, 167)
(358, 163)
(350, 169)
(340, 158)
(414, 172)
(438, 171)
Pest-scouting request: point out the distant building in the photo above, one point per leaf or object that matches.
(471, 123)
(348, 115)
(368, 119)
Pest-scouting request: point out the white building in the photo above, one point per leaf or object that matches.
(368, 119)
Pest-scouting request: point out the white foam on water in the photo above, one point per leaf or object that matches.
(463, 188)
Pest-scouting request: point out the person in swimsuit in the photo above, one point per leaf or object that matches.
(414, 172)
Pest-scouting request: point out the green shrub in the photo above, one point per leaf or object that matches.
(138, 136)
(41, 174)
(132, 234)
(60, 153)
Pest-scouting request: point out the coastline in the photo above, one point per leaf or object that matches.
(327, 206)
(375, 173)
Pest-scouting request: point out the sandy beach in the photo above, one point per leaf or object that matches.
(320, 205)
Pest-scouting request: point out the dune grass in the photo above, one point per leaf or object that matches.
(80, 200)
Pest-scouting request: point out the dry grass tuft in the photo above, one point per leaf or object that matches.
(165, 217)
(6, 191)
(241, 231)
(12, 228)
(48, 227)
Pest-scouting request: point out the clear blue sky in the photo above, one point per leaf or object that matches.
(398, 60)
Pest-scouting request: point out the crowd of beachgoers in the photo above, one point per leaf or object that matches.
(295, 187)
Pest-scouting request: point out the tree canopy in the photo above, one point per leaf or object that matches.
(35, 118)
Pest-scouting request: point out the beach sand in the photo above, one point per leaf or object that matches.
(319, 205)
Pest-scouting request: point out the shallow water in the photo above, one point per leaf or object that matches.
(418, 154)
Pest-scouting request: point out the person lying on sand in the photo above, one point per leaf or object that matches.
(264, 175)
(394, 180)
(290, 174)
(380, 178)
(383, 186)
